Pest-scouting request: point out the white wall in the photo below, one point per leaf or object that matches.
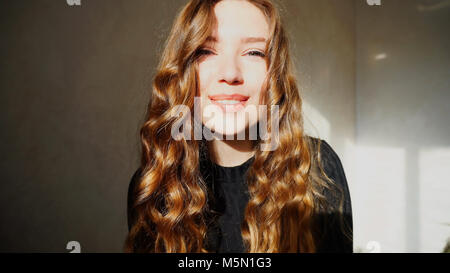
(402, 128)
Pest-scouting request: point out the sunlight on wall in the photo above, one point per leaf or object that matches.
(378, 199)
(434, 208)
(380, 56)
(315, 123)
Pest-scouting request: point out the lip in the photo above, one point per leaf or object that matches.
(229, 107)
(238, 97)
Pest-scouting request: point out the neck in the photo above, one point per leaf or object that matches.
(230, 153)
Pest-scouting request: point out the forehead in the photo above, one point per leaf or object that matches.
(238, 20)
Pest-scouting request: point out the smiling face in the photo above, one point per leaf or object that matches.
(232, 68)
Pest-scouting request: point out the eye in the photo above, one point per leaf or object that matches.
(203, 51)
(257, 53)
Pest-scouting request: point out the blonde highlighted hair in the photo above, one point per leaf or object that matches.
(285, 185)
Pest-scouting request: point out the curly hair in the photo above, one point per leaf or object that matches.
(285, 185)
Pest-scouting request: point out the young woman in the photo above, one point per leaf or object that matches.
(229, 194)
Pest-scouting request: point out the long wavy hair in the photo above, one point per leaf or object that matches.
(285, 185)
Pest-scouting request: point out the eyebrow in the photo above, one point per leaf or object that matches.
(245, 40)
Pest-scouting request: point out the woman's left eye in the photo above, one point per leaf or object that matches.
(256, 53)
(203, 51)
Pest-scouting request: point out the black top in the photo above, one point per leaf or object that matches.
(228, 185)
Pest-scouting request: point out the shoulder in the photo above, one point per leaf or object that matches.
(334, 239)
(327, 155)
(330, 161)
(135, 179)
(133, 183)
(332, 167)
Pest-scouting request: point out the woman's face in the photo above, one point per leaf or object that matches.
(232, 68)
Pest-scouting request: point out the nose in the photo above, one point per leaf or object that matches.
(230, 70)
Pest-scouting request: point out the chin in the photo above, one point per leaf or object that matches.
(228, 132)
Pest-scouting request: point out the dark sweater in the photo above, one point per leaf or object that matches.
(230, 197)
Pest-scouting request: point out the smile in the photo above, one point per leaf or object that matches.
(229, 103)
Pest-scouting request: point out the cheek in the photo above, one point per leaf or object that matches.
(204, 76)
(256, 83)
(204, 80)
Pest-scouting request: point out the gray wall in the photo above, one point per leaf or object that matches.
(74, 85)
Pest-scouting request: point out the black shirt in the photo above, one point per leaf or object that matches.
(230, 197)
